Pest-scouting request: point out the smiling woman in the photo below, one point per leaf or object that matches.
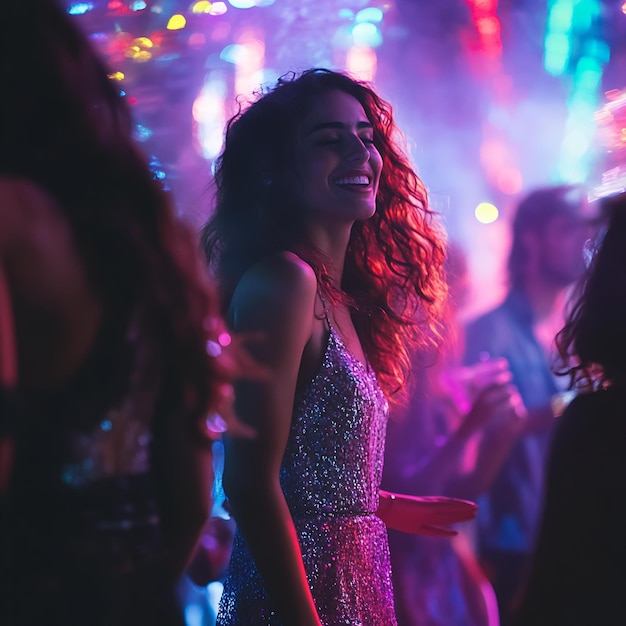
(324, 246)
(337, 161)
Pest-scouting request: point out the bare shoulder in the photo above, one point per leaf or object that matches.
(282, 269)
(276, 292)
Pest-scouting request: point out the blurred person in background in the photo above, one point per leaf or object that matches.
(105, 315)
(578, 572)
(550, 229)
(431, 448)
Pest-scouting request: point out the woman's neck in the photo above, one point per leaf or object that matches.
(332, 243)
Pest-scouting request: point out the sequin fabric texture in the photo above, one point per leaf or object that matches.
(330, 475)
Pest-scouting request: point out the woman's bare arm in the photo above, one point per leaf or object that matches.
(276, 299)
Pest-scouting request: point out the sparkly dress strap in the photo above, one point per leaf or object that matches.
(325, 307)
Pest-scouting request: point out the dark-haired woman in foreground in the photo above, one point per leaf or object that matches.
(578, 574)
(324, 245)
(105, 313)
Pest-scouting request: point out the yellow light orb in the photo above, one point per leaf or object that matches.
(176, 22)
(141, 56)
(201, 7)
(486, 213)
(117, 76)
(143, 42)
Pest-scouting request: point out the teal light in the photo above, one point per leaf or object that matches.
(588, 75)
(233, 53)
(557, 53)
(79, 8)
(371, 14)
(242, 4)
(585, 12)
(366, 34)
(598, 49)
(561, 16)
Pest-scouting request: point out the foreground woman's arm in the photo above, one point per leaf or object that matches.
(275, 298)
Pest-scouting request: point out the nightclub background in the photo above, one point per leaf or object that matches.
(493, 98)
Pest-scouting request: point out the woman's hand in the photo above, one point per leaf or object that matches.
(424, 515)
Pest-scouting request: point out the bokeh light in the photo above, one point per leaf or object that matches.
(486, 213)
(492, 101)
(201, 7)
(366, 34)
(371, 14)
(79, 8)
(209, 113)
(242, 4)
(140, 49)
(509, 181)
(176, 22)
(218, 8)
(361, 62)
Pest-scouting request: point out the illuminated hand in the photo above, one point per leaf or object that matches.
(424, 515)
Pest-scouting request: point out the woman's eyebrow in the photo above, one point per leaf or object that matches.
(337, 126)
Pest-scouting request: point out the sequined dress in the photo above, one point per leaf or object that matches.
(330, 475)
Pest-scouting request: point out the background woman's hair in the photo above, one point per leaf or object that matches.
(592, 344)
(392, 276)
(65, 127)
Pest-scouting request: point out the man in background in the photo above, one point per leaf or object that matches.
(550, 229)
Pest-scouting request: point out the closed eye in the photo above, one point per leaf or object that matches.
(328, 141)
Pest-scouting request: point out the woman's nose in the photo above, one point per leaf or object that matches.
(357, 151)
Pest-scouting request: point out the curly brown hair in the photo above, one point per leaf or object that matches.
(393, 269)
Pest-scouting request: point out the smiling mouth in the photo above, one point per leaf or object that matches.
(353, 181)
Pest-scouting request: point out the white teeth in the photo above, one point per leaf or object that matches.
(353, 180)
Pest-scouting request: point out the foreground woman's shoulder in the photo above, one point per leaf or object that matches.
(285, 266)
(281, 276)
(277, 294)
